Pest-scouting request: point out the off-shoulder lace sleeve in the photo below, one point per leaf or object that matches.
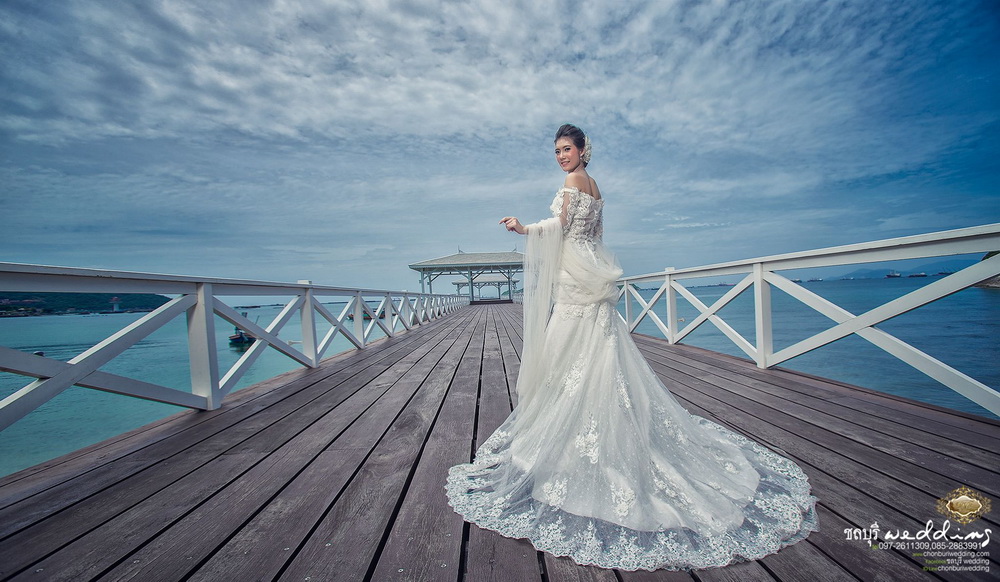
(578, 212)
(566, 205)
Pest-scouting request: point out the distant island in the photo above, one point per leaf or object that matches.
(992, 282)
(26, 304)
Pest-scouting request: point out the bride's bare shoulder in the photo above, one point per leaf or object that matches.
(595, 191)
(579, 181)
(584, 183)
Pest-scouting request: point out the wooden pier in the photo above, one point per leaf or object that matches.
(337, 472)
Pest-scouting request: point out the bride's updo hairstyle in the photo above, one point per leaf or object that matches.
(579, 139)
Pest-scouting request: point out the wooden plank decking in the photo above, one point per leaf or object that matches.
(337, 473)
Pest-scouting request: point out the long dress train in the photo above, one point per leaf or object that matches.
(598, 461)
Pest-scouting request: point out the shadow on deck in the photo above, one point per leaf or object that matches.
(337, 473)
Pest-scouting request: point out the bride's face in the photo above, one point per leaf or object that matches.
(567, 154)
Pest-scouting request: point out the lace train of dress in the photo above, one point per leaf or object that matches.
(600, 463)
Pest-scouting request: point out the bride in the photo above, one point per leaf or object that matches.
(598, 461)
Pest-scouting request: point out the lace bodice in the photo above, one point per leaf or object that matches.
(584, 215)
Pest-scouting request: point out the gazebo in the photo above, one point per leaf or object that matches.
(498, 281)
(470, 266)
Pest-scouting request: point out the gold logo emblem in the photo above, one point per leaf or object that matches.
(963, 505)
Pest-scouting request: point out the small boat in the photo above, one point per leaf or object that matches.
(366, 317)
(240, 337)
(814, 280)
(893, 275)
(917, 275)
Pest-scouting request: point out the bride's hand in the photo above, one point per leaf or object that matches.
(513, 224)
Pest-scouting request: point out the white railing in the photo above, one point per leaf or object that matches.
(761, 274)
(197, 298)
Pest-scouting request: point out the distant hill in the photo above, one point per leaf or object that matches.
(992, 282)
(929, 268)
(76, 302)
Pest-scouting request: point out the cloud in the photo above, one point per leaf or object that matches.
(371, 135)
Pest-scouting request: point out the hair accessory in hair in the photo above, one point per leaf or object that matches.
(586, 150)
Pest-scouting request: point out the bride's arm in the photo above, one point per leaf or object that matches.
(513, 224)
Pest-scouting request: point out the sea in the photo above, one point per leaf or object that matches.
(961, 330)
(79, 417)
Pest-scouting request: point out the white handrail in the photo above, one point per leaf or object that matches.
(197, 297)
(760, 273)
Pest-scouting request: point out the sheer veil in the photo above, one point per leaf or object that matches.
(541, 265)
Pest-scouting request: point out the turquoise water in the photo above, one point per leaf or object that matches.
(80, 416)
(961, 330)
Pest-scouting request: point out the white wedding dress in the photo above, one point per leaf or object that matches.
(598, 461)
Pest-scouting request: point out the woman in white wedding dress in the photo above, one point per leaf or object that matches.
(598, 461)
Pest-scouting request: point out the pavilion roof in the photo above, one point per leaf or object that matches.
(471, 260)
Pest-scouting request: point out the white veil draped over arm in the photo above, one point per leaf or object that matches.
(541, 267)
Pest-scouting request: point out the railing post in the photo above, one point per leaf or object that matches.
(671, 301)
(762, 315)
(628, 303)
(308, 316)
(387, 311)
(359, 319)
(202, 352)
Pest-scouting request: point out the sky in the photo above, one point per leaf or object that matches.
(341, 141)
